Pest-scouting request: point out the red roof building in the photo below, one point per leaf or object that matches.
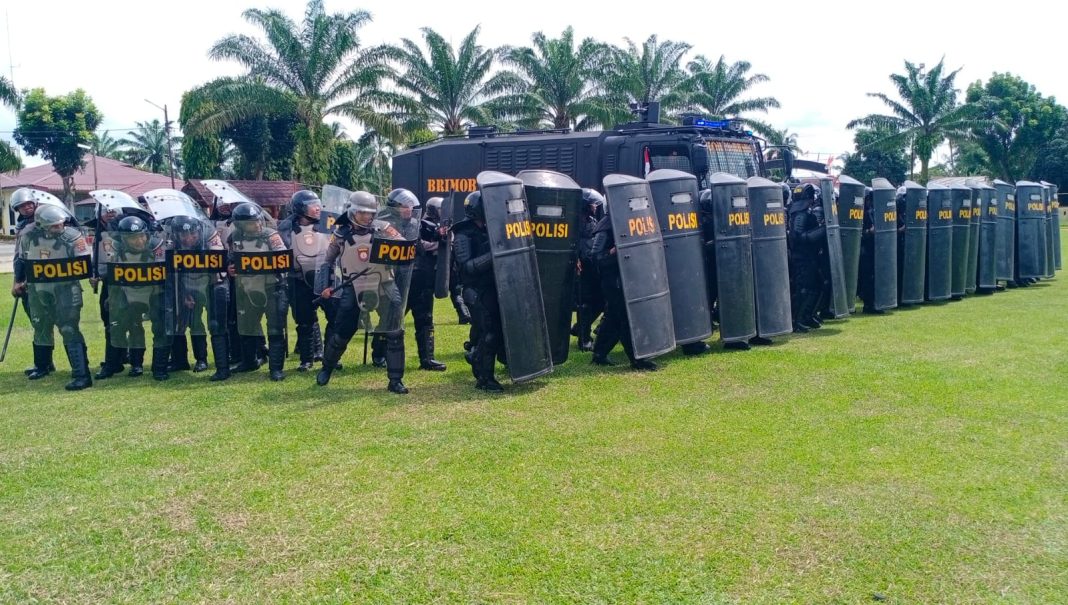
(108, 174)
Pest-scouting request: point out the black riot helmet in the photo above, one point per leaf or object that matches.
(473, 206)
(186, 228)
(806, 191)
(133, 232)
(247, 218)
(433, 209)
(402, 198)
(302, 201)
(785, 194)
(594, 202)
(705, 201)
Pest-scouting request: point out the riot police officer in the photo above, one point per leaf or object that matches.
(258, 295)
(866, 270)
(615, 324)
(200, 292)
(421, 296)
(24, 203)
(129, 305)
(114, 357)
(590, 300)
(364, 286)
(301, 233)
(58, 304)
(471, 249)
(806, 238)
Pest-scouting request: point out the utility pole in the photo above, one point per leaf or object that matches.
(167, 133)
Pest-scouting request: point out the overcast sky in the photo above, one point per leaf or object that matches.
(821, 57)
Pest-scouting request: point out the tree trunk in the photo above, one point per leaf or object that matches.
(68, 191)
(924, 161)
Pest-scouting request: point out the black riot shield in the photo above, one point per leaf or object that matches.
(834, 250)
(1055, 208)
(914, 260)
(1030, 231)
(734, 258)
(1047, 198)
(986, 264)
(971, 274)
(642, 268)
(771, 268)
(515, 270)
(884, 209)
(961, 197)
(939, 242)
(1005, 254)
(675, 196)
(851, 222)
(555, 211)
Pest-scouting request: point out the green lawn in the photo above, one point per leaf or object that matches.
(916, 457)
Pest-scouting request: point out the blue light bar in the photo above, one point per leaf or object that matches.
(703, 123)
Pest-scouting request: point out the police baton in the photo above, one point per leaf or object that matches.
(10, 326)
(348, 280)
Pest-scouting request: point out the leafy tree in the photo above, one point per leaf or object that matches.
(147, 146)
(310, 70)
(9, 159)
(1052, 162)
(926, 112)
(54, 127)
(874, 157)
(650, 72)
(107, 146)
(1018, 122)
(717, 90)
(557, 82)
(443, 88)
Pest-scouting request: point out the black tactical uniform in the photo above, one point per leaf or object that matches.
(301, 233)
(590, 299)
(615, 326)
(866, 271)
(807, 238)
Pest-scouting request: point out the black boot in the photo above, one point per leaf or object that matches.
(424, 341)
(602, 360)
(250, 346)
(79, 367)
(200, 353)
(220, 350)
(179, 356)
(161, 362)
(42, 362)
(737, 345)
(378, 350)
(332, 352)
(276, 357)
(489, 385)
(112, 363)
(644, 365)
(695, 348)
(394, 345)
(137, 362)
(463, 315)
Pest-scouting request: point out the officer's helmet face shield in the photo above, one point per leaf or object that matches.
(249, 227)
(27, 209)
(313, 211)
(137, 242)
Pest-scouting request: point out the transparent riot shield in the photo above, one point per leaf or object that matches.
(136, 276)
(56, 260)
(261, 265)
(168, 203)
(333, 200)
(196, 290)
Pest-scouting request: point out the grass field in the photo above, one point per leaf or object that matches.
(917, 457)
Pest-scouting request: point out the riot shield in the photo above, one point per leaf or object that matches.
(136, 276)
(443, 270)
(168, 203)
(884, 208)
(939, 242)
(1055, 208)
(962, 219)
(834, 250)
(914, 258)
(642, 268)
(1047, 198)
(555, 211)
(55, 262)
(261, 264)
(382, 292)
(1030, 231)
(986, 263)
(196, 291)
(971, 273)
(771, 269)
(515, 271)
(333, 201)
(1005, 254)
(675, 196)
(851, 222)
(43, 197)
(734, 258)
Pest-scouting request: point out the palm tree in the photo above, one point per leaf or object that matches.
(9, 158)
(783, 138)
(373, 155)
(310, 70)
(652, 72)
(714, 89)
(926, 113)
(559, 87)
(445, 89)
(106, 146)
(146, 147)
